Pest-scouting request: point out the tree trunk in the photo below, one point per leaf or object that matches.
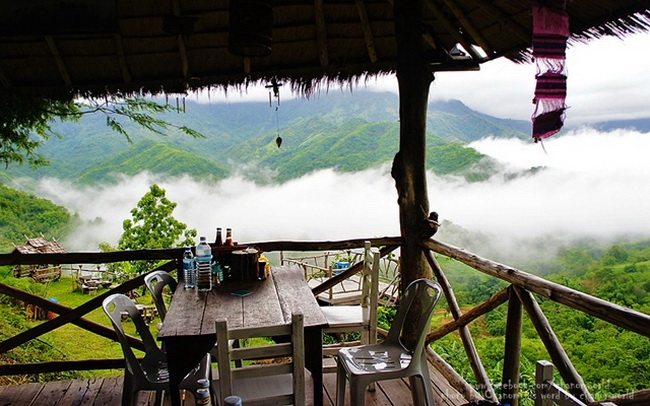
(414, 79)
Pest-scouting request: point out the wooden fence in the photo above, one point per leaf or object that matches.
(519, 296)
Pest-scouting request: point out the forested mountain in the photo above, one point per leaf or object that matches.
(24, 215)
(346, 131)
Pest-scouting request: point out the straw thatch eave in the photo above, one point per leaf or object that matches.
(151, 47)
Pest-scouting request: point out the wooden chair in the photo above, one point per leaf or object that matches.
(391, 359)
(149, 374)
(362, 317)
(267, 381)
(156, 282)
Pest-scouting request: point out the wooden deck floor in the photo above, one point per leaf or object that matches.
(108, 392)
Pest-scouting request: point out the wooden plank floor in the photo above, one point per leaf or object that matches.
(108, 392)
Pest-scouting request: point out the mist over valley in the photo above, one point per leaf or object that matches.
(522, 199)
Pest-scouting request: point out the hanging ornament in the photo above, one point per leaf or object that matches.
(275, 93)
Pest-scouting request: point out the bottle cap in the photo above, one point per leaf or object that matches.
(232, 401)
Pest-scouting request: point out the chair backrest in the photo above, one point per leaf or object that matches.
(294, 349)
(118, 305)
(370, 284)
(426, 293)
(156, 282)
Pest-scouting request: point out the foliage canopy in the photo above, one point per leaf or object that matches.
(25, 122)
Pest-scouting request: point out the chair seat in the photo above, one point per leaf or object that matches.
(375, 359)
(344, 316)
(252, 389)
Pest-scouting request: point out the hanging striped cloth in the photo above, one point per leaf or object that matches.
(550, 35)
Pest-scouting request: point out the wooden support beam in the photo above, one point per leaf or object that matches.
(59, 61)
(321, 32)
(367, 31)
(559, 357)
(507, 23)
(469, 316)
(468, 342)
(452, 29)
(414, 79)
(247, 64)
(121, 57)
(182, 52)
(512, 351)
(470, 28)
(428, 38)
(393, 242)
(618, 315)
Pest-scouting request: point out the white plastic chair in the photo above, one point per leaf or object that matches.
(156, 282)
(149, 374)
(391, 359)
(274, 383)
(362, 317)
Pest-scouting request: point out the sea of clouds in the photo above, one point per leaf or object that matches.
(591, 185)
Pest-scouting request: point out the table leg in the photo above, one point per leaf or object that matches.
(314, 360)
(183, 354)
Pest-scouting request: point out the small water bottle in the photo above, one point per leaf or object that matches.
(232, 401)
(203, 266)
(189, 268)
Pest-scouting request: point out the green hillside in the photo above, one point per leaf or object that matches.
(155, 158)
(25, 215)
(345, 131)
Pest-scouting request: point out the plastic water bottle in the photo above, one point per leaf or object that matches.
(203, 266)
(189, 268)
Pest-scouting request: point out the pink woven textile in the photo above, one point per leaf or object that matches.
(550, 35)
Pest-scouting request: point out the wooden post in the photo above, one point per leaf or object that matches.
(414, 79)
(559, 357)
(512, 351)
(543, 379)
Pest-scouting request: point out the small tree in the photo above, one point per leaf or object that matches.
(153, 227)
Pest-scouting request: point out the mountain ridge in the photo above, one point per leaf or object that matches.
(346, 131)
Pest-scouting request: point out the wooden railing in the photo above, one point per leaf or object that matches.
(320, 266)
(519, 296)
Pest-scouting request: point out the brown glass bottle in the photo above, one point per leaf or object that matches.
(219, 239)
(228, 241)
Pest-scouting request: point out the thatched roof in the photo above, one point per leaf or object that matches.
(40, 246)
(55, 47)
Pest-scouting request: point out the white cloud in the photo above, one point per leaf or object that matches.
(594, 185)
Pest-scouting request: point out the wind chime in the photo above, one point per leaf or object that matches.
(274, 93)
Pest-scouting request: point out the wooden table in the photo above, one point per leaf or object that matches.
(189, 328)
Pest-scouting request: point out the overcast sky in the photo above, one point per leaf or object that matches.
(608, 79)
